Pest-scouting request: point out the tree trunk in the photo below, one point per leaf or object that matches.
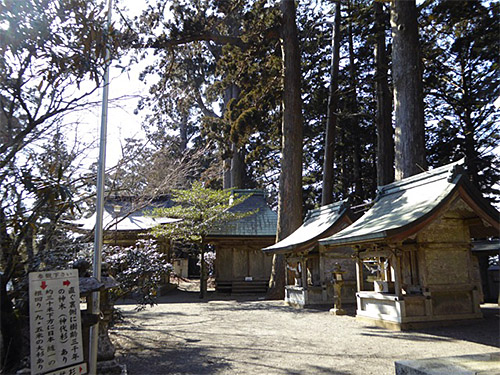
(408, 96)
(183, 133)
(343, 163)
(385, 132)
(226, 174)
(290, 186)
(203, 273)
(238, 168)
(354, 128)
(234, 168)
(470, 149)
(331, 119)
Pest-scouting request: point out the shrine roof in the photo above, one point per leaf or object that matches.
(403, 208)
(131, 215)
(263, 223)
(317, 224)
(134, 216)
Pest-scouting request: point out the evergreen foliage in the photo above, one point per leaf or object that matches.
(201, 210)
(461, 80)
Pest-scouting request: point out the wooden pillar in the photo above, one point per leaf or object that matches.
(303, 262)
(324, 295)
(397, 273)
(359, 274)
(424, 283)
(286, 270)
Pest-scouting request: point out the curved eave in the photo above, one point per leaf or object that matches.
(312, 242)
(111, 227)
(291, 248)
(355, 240)
(462, 189)
(480, 205)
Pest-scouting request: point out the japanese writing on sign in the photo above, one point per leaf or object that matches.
(73, 370)
(55, 325)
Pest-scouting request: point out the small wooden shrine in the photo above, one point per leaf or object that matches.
(240, 266)
(416, 242)
(127, 219)
(309, 275)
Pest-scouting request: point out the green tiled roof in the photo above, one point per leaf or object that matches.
(316, 225)
(261, 224)
(402, 205)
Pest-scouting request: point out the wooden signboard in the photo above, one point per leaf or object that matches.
(55, 323)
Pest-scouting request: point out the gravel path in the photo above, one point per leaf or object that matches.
(182, 335)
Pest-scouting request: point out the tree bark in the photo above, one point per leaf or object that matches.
(354, 130)
(183, 133)
(234, 168)
(290, 186)
(331, 119)
(470, 149)
(408, 96)
(385, 132)
(238, 172)
(226, 174)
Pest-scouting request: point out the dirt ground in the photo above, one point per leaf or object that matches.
(248, 335)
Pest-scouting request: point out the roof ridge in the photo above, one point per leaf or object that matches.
(446, 171)
(336, 206)
(253, 191)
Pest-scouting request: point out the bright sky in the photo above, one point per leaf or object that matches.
(122, 122)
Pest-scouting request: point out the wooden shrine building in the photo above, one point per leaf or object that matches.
(309, 270)
(416, 240)
(126, 219)
(240, 265)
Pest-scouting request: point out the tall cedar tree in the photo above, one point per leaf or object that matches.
(207, 55)
(354, 118)
(408, 94)
(385, 132)
(290, 188)
(331, 119)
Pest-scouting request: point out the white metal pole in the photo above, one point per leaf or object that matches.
(96, 269)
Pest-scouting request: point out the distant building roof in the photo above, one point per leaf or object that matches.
(318, 223)
(263, 223)
(130, 216)
(134, 216)
(403, 208)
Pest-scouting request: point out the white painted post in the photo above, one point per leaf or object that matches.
(96, 269)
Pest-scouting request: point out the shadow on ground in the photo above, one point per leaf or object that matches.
(182, 350)
(188, 360)
(195, 360)
(484, 331)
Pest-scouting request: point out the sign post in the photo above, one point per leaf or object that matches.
(96, 267)
(55, 323)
